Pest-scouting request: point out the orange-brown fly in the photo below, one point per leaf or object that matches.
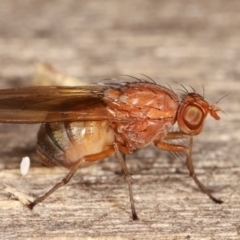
(82, 125)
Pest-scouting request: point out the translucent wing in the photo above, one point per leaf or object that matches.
(53, 104)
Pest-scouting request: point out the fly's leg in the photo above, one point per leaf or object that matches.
(128, 179)
(58, 185)
(81, 162)
(193, 175)
(188, 151)
(124, 156)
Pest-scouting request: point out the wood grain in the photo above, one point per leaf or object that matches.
(189, 42)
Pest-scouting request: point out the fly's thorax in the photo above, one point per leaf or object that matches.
(142, 100)
(147, 110)
(67, 142)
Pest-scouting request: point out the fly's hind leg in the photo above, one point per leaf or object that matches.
(58, 185)
(80, 163)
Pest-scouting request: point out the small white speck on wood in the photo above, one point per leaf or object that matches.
(25, 165)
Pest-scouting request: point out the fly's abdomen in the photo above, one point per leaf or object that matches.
(65, 143)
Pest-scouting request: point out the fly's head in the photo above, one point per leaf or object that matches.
(192, 111)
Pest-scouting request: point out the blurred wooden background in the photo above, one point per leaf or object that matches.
(191, 42)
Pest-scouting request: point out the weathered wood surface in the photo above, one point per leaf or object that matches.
(192, 42)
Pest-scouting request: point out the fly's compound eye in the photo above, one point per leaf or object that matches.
(193, 117)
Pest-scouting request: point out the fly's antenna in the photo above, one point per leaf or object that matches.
(222, 98)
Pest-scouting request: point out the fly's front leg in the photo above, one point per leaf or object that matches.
(188, 151)
(80, 163)
(128, 179)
